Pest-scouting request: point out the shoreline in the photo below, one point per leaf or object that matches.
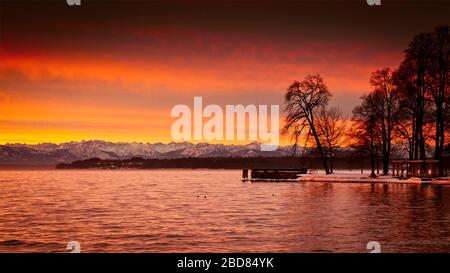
(360, 178)
(342, 176)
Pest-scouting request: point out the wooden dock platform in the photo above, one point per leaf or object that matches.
(273, 175)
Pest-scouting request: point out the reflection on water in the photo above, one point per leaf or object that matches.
(211, 210)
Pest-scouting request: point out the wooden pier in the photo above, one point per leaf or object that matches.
(273, 174)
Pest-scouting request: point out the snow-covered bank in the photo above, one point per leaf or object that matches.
(354, 177)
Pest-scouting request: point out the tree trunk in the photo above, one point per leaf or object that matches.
(384, 151)
(319, 147)
(421, 143)
(388, 156)
(378, 162)
(372, 156)
(413, 141)
(439, 143)
(416, 144)
(362, 161)
(438, 131)
(331, 164)
(441, 162)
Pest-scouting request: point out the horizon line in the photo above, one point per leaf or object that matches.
(139, 142)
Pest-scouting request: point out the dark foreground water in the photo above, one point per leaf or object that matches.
(212, 210)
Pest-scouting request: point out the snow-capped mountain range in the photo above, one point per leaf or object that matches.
(49, 153)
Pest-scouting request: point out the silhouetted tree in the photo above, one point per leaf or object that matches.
(440, 85)
(364, 127)
(387, 107)
(411, 104)
(404, 129)
(332, 131)
(412, 80)
(303, 100)
(423, 83)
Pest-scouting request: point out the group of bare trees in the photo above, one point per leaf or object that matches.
(375, 119)
(408, 106)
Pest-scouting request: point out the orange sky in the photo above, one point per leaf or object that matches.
(83, 75)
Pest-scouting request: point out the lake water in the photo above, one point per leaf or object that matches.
(212, 210)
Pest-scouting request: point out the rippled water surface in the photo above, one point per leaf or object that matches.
(212, 210)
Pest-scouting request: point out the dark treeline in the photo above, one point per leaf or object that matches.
(407, 107)
(345, 162)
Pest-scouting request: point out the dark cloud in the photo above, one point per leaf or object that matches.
(100, 25)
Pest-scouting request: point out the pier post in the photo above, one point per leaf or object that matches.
(245, 174)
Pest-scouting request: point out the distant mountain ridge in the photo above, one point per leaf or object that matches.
(51, 154)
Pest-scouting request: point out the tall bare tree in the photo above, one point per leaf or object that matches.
(403, 131)
(364, 127)
(388, 105)
(413, 81)
(303, 100)
(440, 85)
(332, 131)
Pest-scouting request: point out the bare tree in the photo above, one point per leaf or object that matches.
(411, 104)
(387, 106)
(440, 86)
(413, 82)
(423, 81)
(332, 131)
(303, 100)
(407, 122)
(403, 131)
(364, 127)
